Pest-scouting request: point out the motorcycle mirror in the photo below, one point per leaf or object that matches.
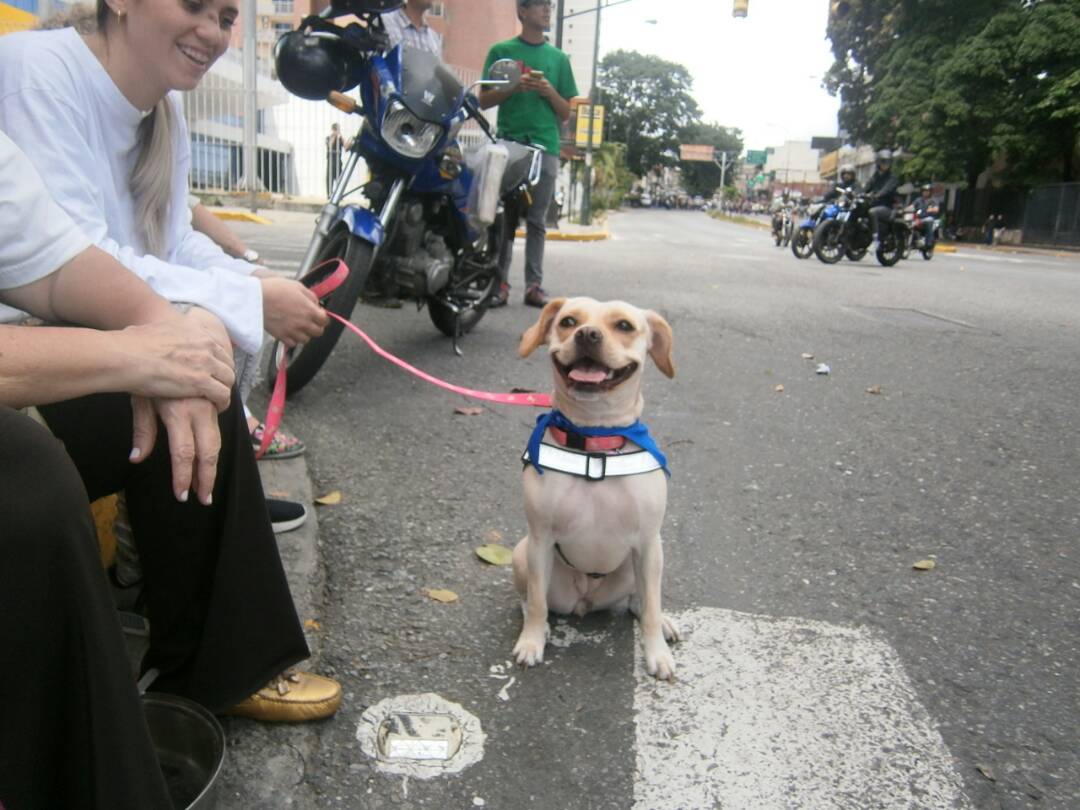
(342, 102)
(505, 72)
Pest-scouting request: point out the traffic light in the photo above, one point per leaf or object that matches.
(740, 7)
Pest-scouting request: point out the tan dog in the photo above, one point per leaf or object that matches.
(608, 527)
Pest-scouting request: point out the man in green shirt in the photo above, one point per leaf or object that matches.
(531, 112)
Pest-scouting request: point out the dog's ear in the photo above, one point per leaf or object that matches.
(660, 343)
(537, 334)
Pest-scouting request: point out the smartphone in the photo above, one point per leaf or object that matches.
(536, 74)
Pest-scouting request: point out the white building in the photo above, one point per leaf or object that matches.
(793, 162)
(578, 39)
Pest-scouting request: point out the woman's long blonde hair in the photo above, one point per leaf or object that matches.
(151, 179)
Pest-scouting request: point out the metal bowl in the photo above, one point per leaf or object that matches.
(190, 745)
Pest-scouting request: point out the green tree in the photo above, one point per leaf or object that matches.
(648, 105)
(704, 178)
(958, 83)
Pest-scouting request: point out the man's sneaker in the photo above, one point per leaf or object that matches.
(285, 515)
(500, 298)
(536, 297)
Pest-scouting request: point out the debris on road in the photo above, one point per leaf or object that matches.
(440, 595)
(925, 565)
(779, 388)
(462, 410)
(495, 554)
(807, 356)
(823, 368)
(874, 389)
(330, 498)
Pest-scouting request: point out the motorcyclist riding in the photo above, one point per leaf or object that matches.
(846, 180)
(927, 209)
(882, 191)
(778, 207)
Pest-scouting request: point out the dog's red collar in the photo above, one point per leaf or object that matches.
(590, 444)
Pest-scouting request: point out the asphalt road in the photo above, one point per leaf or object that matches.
(794, 519)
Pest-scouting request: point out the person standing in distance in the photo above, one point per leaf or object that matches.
(406, 25)
(531, 112)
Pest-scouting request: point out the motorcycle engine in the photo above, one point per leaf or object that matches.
(420, 261)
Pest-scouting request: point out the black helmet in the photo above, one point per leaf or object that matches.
(311, 65)
(884, 156)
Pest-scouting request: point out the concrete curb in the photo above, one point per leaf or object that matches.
(240, 216)
(561, 236)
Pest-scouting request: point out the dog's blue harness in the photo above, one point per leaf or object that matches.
(592, 466)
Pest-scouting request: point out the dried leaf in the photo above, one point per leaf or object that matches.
(312, 624)
(494, 536)
(778, 388)
(807, 356)
(330, 498)
(468, 411)
(985, 771)
(278, 493)
(495, 554)
(440, 595)
(874, 389)
(925, 565)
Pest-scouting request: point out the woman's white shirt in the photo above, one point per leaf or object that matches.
(58, 104)
(36, 237)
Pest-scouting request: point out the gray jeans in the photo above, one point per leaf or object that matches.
(535, 227)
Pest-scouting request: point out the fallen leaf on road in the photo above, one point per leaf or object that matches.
(277, 493)
(779, 387)
(330, 498)
(468, 411)
(496, 555)
(440, 595)
(494, 536)
(985, 771)
(874, 389)
(312, 624)
(807, 356)
(925, 565)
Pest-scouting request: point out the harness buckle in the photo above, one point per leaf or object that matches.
(596, 466)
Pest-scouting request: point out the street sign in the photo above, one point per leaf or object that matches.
(697, 152)
(581, 135)
(755, 157)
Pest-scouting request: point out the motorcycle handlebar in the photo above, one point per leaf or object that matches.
(473, 106)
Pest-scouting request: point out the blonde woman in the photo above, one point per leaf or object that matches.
(94, 114)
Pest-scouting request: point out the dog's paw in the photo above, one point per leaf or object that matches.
(671, 630)
(529, 650)
(659, 661)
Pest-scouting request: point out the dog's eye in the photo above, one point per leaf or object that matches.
(568, 322)
(624, 326)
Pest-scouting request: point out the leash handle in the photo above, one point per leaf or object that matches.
(323, 286)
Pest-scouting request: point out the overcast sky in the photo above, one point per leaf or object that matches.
(761, 73)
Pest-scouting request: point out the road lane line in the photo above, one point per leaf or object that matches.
(773, 713)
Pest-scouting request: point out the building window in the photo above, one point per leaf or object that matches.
(283, 6)
(437, 10)
(280, 29)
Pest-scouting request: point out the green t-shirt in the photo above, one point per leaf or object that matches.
(527, 116)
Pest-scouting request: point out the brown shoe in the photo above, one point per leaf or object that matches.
(536, 297)
(292, 697)
(501, 297)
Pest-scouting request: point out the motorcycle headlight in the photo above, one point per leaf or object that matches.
(407, 134)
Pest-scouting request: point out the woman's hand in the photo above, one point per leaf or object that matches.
(185, 356)
(194, 441)
(291, 312)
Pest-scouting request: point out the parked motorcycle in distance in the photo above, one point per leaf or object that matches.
(434, 224)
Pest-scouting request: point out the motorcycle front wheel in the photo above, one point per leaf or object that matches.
(470, 291)
(827, 245)
(304, 362)
(854, 255)
(802, 244)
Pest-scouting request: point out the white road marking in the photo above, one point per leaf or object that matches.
(778, 713)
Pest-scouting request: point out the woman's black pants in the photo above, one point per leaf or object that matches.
(222, 621)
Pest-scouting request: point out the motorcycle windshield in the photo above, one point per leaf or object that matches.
(428, 87)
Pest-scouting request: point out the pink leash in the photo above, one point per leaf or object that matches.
(322, 288)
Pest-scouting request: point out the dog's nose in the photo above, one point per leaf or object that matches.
(588, 336)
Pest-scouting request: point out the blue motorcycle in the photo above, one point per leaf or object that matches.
(436, 218)
(802, 243)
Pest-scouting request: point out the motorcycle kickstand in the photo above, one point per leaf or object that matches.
(457, 334)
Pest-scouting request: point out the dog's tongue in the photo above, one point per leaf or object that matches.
(589, 374)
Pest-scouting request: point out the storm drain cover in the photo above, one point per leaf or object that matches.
(420, 735)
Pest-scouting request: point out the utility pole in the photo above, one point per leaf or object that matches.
(723, 163)
(558, 23)
(586, 193)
